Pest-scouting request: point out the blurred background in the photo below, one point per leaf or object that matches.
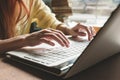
(87, 12)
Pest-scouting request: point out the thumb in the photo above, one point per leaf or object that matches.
(73, 33)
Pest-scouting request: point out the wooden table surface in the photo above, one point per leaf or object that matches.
(108, 69)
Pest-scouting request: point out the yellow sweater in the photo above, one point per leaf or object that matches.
(41, 14)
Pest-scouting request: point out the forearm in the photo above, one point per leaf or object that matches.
(64, 28)
(12, 43)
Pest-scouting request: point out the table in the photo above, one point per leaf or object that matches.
(108, 69)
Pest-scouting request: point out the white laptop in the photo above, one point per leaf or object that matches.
(66, 62)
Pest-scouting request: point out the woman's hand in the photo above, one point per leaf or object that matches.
(78, 30)
(81, 30)
(46, 36)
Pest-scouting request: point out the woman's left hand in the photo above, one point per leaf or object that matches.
(81, 30)
(78, 30)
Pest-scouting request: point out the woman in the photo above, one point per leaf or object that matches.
(16, 17)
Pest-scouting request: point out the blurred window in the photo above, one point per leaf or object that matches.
(91, 12)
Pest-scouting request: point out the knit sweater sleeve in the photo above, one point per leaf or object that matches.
(43, 15)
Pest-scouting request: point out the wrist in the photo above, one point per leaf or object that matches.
(12, 43)
(23, 39)
(64, 28)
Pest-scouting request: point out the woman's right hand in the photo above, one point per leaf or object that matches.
(46, 36)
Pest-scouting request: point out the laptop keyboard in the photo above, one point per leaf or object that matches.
(58, 55)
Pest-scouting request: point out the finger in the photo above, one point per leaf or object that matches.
(47, 41)
(82, 33)
(62, 36)
(55, 37)
(79, 32)
(63, 39)
(45, 31)
(93, 32)
(86, 29)
(79, 26)
(59, 34)
(88, 32)
(90, 36)
(42, 32)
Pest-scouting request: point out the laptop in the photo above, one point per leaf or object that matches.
(66, 62)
